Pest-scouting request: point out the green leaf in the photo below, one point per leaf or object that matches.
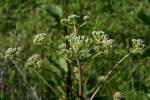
(56, 10)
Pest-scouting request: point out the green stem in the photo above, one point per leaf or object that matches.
(51, 87)
(108, 75)
(80, 77)
(82, 25)
(74, 26)
(25, 80)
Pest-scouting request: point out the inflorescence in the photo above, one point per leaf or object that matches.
(34, 61)
(137, 45)
(99, 41)
(40, 39)
(13, 53)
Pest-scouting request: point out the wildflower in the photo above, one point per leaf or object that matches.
(40, 39)
(138, 45)
(86, 18)
(99, 36)
(76, 42)
(103, 43)
(118, 96)
(13, 53)
(35, 61)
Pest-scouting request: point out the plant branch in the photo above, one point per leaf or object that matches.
(108, 75)
(80, 76)
(51, 87)
(34, 93)
(82, 24)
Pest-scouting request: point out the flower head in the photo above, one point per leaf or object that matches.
(103, 43)
(40, 39)
(35, 61)
(138, 45)
(77, 42)
(86, 18)
(13, 53)
(118, 96)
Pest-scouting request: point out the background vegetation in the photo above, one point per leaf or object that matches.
(21, 20)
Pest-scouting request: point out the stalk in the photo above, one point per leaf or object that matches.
(80, 91)
(108, 75)
(69, 76)
(49, 86)
(80, 77)
(34, 93)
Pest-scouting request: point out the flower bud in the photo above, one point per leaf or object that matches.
(86, 18)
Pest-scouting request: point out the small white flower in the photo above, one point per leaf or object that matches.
(13, 53)
(138, 45)
(35, 61)
(40, 39)
(118, 96)
(86, 18)
(76, 42)
(103, 42)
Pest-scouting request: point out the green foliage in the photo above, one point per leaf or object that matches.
(34, 66)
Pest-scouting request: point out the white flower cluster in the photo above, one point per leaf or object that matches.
(138, 45)
(35, 61)
(103, 43)
(118, 96)
(40, 39)
(76, 43)
(13, 53)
